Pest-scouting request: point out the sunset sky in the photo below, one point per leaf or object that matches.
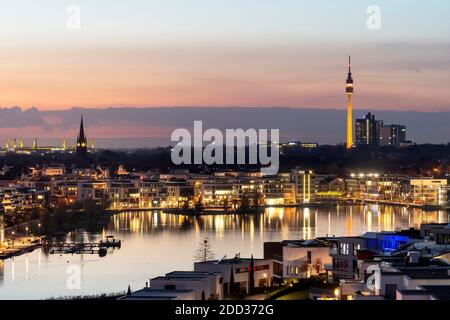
(219, 53)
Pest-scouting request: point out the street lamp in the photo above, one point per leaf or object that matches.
(337, 293)
(39, 226)
(12, 237)
(267, 284)
(26, 233)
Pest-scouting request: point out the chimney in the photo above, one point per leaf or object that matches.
(414, 257)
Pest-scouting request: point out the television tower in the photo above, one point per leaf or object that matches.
(349, 91)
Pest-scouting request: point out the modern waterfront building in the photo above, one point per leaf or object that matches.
(296, 259)
(379, 187)
(344, 251)
(236, 272)
(305, 185)
(16, 198)
(430, 192)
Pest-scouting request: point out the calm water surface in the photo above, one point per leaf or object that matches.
(155, 243)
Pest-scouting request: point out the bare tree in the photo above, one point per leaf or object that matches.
(305, 267)
(204, 252)
(317, 265)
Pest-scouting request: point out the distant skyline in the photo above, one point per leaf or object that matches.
(152, 127)
(217, 53)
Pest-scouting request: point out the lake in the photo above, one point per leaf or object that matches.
(155, 243)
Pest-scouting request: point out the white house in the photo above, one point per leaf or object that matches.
(206, 285)
(240, 268)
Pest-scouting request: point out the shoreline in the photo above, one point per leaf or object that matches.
(208, 211)
(9, 253)
(31, 245)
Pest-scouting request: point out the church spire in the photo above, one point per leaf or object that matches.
(81, 135)
(82, 142)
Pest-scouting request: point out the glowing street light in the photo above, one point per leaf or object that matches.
(337, 293)
(267, 282)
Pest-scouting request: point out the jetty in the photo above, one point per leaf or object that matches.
(99, 248)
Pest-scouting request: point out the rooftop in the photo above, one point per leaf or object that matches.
(426, 273)
(414, 292)
(235, 260)
(439, 292)
(412, 233)
(305, 243)
(155, 294)
(185, 275)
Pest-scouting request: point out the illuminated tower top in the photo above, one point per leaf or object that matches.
(349, 88)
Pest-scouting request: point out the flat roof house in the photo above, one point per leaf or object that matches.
(157, 294)
(236, 272)
(205, 285)
(294, 259)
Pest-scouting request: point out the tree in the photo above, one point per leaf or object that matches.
(231, 288)
(245, 202)
(257, 199)
(199, 205)
(48, 222)
(251, 276)
(204, 252)
(317, 265)
(60, 216)
(304, 267)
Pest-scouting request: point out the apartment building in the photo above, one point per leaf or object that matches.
(373, 186)
(124, 194)
(432, 192)
(305, 185)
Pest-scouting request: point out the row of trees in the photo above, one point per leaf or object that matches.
(64, 217)
(20, 216)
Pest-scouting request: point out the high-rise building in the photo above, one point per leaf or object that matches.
(82, 146)
(392, 135)
(349, 91)
(368, 130)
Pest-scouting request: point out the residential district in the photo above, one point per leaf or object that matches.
(401, 265)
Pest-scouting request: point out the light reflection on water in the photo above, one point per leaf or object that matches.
(155, 243)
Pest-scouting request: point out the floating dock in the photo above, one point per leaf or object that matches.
(99, 248)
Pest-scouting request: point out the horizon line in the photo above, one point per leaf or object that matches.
(138, 107)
